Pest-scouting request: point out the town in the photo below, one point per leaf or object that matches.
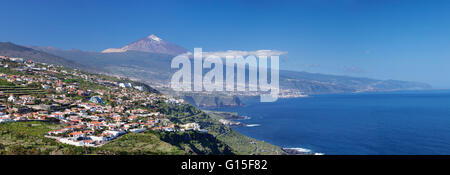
(92, 109)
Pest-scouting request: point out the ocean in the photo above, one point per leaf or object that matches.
(412, 123)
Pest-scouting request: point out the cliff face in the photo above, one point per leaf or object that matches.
(213, 101)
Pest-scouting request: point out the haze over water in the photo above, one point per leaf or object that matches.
(372, 123)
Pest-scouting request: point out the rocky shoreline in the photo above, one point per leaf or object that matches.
(229, 119)
(299, 151)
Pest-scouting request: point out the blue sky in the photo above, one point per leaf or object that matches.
(403, 40)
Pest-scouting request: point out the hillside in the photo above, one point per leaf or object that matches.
(58, 110)
(12, 50)
(148, 67)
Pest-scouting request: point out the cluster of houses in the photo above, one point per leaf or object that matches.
(88, 116)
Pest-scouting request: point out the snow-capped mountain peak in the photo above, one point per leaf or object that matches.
(154, 37)
(152, 44)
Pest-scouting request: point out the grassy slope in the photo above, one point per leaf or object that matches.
(196, 143)
(28, 138)
(144, 143)
(240, 144)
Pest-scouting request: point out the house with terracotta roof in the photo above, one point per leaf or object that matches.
(76, 134)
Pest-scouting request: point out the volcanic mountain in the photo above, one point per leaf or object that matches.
(151, 44)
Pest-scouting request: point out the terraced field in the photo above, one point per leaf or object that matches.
(19, 90)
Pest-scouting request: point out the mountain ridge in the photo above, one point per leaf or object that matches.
(155, 68)
(10, 49)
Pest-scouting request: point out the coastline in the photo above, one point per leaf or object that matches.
(232, 119)
(325, 130)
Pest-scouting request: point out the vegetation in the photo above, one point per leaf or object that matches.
(83, 84)
(195, 143)
(238, 143)
(10, 71)
(27, 138)
(142, 143)
(20, 90)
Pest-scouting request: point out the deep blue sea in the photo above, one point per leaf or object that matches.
(373, 123)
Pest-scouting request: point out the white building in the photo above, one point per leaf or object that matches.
(5, 119)
(11, 99)
(125, 85)
(139, 88)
